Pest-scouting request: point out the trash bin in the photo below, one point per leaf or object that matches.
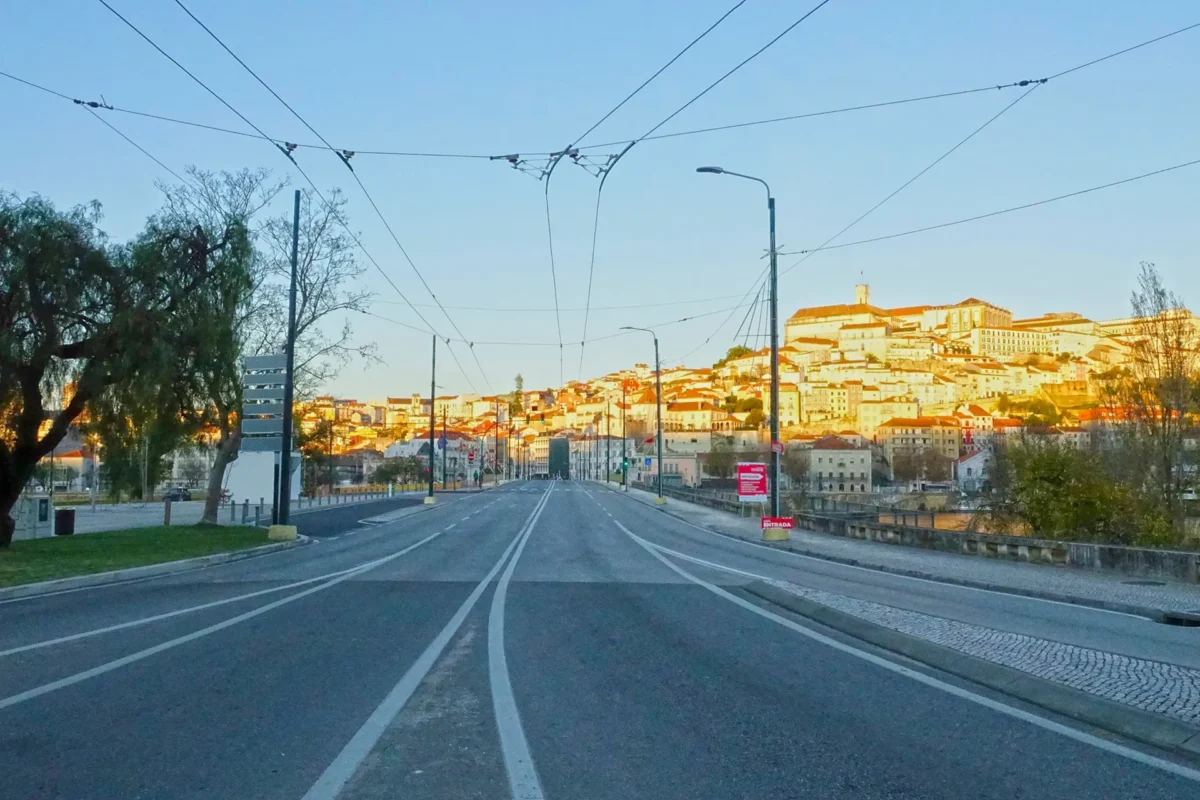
(64, 521)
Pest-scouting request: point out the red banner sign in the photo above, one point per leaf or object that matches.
(752, 482)
(786, 523)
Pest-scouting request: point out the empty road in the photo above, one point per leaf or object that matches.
(541, 640)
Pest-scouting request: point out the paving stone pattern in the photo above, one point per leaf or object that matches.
(1063, 581)
(1148, 685)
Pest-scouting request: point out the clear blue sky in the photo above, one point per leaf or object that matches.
(470, 77)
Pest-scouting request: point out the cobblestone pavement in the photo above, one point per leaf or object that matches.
(1033, 578)
(1148, 685)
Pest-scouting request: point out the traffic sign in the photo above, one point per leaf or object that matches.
(777, 447)
(471, 457)
(648, 460)
(752, 482)
(785, 523)
(442, 442)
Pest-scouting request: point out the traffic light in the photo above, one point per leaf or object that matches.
(625, 463)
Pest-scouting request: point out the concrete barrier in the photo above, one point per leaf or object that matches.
(1140, 562)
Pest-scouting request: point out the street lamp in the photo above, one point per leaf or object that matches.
(774, 302)
(658, 403)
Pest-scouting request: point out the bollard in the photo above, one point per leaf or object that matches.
(258, 515)
(232, 509)
(167, 512)
(245, 509)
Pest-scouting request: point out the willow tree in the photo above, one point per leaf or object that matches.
(80, 317)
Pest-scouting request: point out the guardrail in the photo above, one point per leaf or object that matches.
(1144, 562)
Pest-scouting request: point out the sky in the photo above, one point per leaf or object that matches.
(466, 77)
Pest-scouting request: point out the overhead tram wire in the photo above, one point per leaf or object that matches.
(344, 156)
(1001, 211)
(1032, 85)
(285, 152)
(612, 162)
(620, 142)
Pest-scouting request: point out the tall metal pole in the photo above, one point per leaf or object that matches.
(658, 414)
(624, 438)
(432, 394)
(607, 440)
(289, 379)
(774, 302)
(444, 449)
(774, 363)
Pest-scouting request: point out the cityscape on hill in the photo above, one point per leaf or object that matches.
(891, 380)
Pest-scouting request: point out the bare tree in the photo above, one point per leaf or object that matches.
(325, 287)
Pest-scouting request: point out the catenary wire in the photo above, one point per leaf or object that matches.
(619, 142)
(345, 158)
(1001, 211)
(509, 309)
(660, 71)
(629, 146)
(286, 154)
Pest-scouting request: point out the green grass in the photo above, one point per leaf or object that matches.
(64, 556)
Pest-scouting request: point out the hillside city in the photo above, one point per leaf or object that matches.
(924, 388)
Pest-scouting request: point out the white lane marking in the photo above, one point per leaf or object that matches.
(169, 614)
(944, 584)
(1046, 724)
(78, 677)
(518, 762)
(343, 767)
(451, 525)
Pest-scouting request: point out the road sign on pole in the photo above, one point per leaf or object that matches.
(471, 457)
(777, 447)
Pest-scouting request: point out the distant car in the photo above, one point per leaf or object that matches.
(176, 494)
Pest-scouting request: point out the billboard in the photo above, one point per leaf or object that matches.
(752, 482)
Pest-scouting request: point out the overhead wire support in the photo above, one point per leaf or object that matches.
(344, 156)
(613, 161)
(287, 154)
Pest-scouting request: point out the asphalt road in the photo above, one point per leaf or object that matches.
(525, 642)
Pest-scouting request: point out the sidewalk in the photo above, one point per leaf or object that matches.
(1056, 583)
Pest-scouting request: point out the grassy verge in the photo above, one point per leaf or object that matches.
(82, 554)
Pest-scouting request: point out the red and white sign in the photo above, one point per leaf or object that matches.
(752, 482)
(786, 523)
(777, 447)
(471, 457)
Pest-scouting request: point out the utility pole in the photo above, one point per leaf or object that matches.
(624, 439)
(329, 452)
(432, 394)
(496, 435)
(444, 449)
(285, 442)
(607, 440)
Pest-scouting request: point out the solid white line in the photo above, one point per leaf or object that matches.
(78, 677)
(451, 525)
(944, 584)
(518, 762)
(169, 614)
(986, 702)
(359, 747)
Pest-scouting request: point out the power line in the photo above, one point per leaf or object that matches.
(1126, 50)
(143, 150)
(287, 154)
(607, 170)
(660, 71)
(509, 309)
(1001, 211)
(345, 157)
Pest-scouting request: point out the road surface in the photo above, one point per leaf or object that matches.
(534, 641)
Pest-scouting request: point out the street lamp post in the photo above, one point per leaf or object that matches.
(658, 407)
(774, 304)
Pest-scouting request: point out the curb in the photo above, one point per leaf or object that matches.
(1150, 612)
(149, 571)
(1143, 726)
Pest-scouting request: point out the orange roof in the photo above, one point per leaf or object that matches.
(906, 310)
(814, 340)
(692, 406)
(865, 325)
(919, 422)
(837, 309)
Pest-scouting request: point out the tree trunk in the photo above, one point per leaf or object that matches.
(227, 452)
(9, 495)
